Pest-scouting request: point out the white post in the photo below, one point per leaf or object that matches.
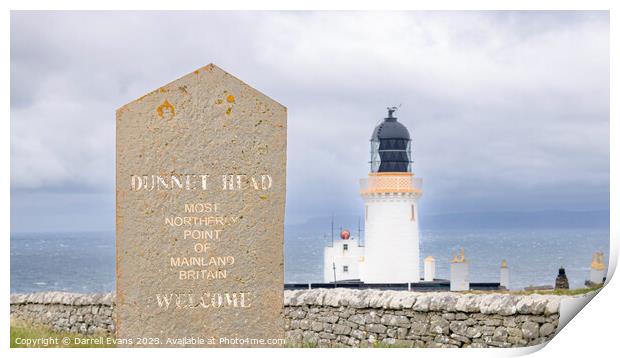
(459, 273)
(429, 269)
(504, 275)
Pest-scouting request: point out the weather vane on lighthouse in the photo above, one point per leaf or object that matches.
(391, 110)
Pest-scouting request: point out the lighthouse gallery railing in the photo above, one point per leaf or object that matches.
(390, 183)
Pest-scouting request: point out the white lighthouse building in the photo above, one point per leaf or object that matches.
(343, 260)
(390, 194)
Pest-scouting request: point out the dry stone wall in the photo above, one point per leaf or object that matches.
(67, 312)
(346, 317)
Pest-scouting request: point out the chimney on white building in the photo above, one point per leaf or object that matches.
(597, 269)
(504, 275)
(429, 269)
(459, 273)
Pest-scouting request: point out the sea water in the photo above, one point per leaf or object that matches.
(85, 262)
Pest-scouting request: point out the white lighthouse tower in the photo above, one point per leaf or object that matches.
(390, 194)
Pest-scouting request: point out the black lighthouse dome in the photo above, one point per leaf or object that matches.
(390, 146)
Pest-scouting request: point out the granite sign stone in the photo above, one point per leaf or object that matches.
(200, 194)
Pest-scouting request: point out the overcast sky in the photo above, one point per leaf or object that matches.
(508, 111)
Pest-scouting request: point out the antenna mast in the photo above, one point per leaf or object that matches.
(333, 232)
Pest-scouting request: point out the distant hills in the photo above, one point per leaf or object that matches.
(598, 219)
(550, 219)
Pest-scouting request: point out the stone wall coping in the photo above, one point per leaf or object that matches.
(492, 303)
(63, 298)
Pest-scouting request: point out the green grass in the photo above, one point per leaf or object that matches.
(396, 345)
(302, 345)
(341, 345)
(574, 292)
(43, 337)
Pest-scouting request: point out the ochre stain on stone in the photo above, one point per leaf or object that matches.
(230, 98)
(229, 110)
(165, 107)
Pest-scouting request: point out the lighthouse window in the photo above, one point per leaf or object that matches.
(345, 268)
(345, 247)
(412, 212)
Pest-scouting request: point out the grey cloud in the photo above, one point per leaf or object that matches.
(507, 109)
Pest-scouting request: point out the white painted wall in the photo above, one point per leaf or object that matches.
(392, 239)
(352, 257)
